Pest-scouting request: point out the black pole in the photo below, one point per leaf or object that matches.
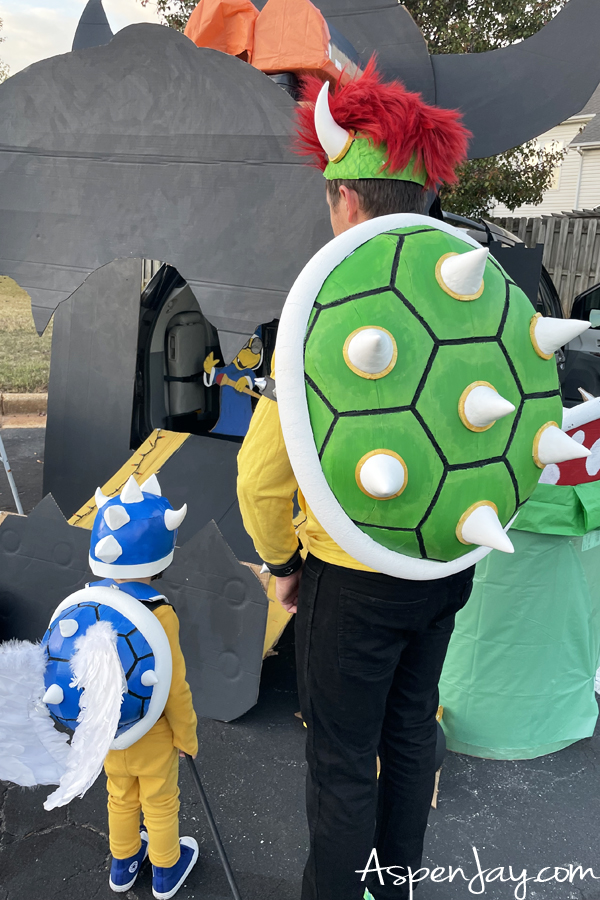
(214, 830)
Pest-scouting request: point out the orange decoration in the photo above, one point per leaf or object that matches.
(225, 25)
(293, 36)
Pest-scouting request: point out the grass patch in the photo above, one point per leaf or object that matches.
(24, 356)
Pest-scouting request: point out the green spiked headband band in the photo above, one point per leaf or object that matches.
(352, 156)
(364, 160)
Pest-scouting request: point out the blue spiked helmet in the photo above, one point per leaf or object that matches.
(134, 534)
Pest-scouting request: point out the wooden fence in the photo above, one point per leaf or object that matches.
(571, 248)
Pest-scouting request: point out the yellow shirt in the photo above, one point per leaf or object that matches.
(179, 709)
(266, 486)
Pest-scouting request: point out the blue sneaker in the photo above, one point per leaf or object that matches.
(123, 872)
(166, 882)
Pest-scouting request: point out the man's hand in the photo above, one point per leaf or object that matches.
(286, 591)
(182, 755)
(241, 384)
(210, 362)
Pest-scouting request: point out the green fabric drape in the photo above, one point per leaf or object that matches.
(518, 679)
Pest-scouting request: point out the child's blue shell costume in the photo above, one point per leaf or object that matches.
(103, 668)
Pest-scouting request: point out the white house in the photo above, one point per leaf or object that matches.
(576, 182)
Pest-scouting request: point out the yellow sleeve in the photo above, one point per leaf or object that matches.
(179, 709)
(266, 486)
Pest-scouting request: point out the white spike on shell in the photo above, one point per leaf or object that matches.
(480, 406)
(461, 274)
(548, 334)
(108, 549)
(334, 139)
(100, 498)
(174, 517)
(149, 678)
(151, 486)
(131, 493)
(551, 445)
(381, 475)
(116, 516)
(54, 695)
(370, 352)
(68, 627)
(481, 526)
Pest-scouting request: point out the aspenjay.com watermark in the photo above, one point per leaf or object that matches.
(476, 883)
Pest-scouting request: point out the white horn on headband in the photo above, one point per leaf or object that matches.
(334, 139)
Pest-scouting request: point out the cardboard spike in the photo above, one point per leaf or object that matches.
(462, 273)
(585, 395)
(483, 528)
(554, 446)
(333, 138)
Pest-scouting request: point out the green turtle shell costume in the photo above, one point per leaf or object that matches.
(418, 395)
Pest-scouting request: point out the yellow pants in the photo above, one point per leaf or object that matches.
(144, 777)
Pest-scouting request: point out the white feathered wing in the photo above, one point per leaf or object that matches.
(32, 751)
(98, 671)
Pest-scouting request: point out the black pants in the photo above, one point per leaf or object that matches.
(369, 651)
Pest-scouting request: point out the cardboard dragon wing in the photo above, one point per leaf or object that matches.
(506, 96)
(102, 671)
(418, 395)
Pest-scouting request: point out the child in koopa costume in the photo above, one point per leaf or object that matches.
(111, 669)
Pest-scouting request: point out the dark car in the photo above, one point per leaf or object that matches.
(582, 369)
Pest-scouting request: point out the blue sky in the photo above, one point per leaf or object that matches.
(37, 29)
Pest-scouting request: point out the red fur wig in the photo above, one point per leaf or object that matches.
(387, 114)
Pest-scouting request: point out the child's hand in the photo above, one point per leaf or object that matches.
(182, 755)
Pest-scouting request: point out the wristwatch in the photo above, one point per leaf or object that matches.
(288, 568)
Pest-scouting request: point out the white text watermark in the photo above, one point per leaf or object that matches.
(476, 883)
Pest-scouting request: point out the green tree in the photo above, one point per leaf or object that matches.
(4, 69)
(520, 175)
(175, 13)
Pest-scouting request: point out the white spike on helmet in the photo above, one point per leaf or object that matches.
(334, 139)
(131, 492)
(151, 486)
(174, 517)
(100, 498)
(108, 549)
(134, 535)
(116, 516)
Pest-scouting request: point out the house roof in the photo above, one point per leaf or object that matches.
(591, 132)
